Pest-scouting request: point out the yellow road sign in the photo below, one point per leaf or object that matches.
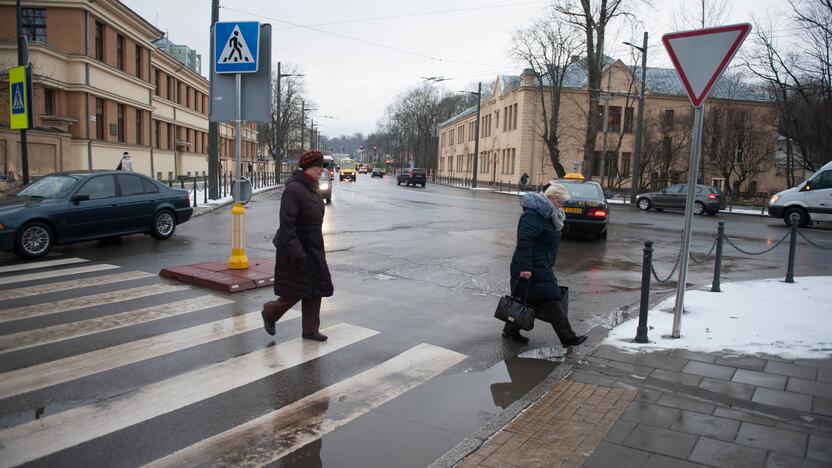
(20, 102)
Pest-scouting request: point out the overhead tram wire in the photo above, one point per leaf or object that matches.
(356, 39)
(346, 62)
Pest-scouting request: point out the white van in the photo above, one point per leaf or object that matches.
(809, 202)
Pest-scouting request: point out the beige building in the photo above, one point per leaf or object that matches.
(101, 87)
(511, 141)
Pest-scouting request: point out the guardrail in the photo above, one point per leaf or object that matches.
(197, 186)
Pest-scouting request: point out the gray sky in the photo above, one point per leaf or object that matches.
(353, 81)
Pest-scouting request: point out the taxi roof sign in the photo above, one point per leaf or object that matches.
(236, 46)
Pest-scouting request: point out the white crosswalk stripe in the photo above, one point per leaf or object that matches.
(42, 264)
(67, 331)
(94, 300)
(36, 439)
(280, 432)
(56, 273)
(70, 368)
(28, 291)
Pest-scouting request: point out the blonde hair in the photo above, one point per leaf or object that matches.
(558, 191)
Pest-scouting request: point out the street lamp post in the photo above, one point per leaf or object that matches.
(478, 94)
(640, 123)
(279, 128)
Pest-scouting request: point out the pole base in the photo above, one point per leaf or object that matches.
(238, 262)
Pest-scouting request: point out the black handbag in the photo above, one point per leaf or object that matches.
(510, 309)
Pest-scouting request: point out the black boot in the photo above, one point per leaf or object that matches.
(557, 317)
(576, 341)
(512, 332)
(267, 324)
(317, 336)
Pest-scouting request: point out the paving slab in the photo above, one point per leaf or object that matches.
(822, 406)
(745, 362)
(811, 387)
(727, 455)
(732, 389)
(741, 415)
(678, 377)
(820, 448)
(760, 379)
(824, 374)
(772, 438)
(680, 402)
(791, 370)
(783, 399)
(660, 440)
(710, 426)
(609, 455)
(709, 370)
(642, 412)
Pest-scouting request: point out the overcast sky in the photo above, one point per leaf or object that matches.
(355, 62)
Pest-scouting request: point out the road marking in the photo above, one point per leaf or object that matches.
(66, 305)
(75, 367)
(72, 284)
(56, 273)
(36, 439)
(263, 440)
(68, 331)
(43, 264)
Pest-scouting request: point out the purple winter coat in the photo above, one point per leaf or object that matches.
(301, 270)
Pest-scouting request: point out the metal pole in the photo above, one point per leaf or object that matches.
(279, 137)
(792, 252)
(302, 123)
(647, 261)
(639, 124)
(23, 59)
(606, 124)
(238, 141)
(695, 150)
(213, 130)
(720, 235)
(477, 137)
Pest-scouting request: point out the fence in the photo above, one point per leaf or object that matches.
(497, 186)
(716, 251)
(197, 186)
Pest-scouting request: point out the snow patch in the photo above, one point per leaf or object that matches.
(765, 316)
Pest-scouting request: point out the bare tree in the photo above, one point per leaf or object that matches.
(701, 14)
(283, 130)
(547, 47)
(664, 150)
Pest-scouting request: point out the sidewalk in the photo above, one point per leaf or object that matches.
(689, 402)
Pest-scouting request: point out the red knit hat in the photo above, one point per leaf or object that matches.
(311, 158)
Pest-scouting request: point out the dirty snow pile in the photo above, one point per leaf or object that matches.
(766, 316)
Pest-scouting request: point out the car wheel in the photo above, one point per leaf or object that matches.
(698, 208)
(643, 204)
(796, 214)
(35, 240)
(164, 224)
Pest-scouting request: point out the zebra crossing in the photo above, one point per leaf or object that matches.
(109, 328)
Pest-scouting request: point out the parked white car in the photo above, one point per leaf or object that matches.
(808, 202)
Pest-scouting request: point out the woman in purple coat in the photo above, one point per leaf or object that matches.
(301, 272)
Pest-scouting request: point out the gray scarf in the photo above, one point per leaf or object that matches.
(558, 218)
(541, 203)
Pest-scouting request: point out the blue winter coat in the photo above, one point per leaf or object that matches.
(537, 249)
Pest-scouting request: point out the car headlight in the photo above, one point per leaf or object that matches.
(324, 185)
(774, 199)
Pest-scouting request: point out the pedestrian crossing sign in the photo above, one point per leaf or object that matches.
(235, 46)
(19, 99)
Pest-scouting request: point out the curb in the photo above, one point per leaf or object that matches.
(205, 209)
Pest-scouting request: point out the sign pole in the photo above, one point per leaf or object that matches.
(693, 176)
(238, 259)
(23, 60)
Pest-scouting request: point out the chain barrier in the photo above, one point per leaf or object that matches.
(672, 272)
(704, 259)
(811, 242)
(746, 252)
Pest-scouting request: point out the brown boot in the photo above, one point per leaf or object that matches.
(317, 336)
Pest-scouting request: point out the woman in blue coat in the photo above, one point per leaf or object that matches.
(532, 275)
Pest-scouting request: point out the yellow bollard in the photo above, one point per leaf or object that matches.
(238, 259)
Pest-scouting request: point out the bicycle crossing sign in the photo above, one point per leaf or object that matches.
(236, 45)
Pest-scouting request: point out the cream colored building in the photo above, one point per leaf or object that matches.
(511, 129)
(101, 87)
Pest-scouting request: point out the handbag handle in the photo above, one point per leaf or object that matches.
(528, 286)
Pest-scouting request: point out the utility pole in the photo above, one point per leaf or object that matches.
(281, 152)
(23, 60)
(606, 124)
(640, 122)
(478, 94)
(311, 134)
(302, 124)
(213, 131)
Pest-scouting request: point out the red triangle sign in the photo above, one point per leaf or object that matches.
(701, 56)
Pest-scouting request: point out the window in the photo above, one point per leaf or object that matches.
(171, 136)
(120, 52)
(497, 118)
(507, 118)
(34, 23)
(120, 123)
(628, 120)
(99, 41)
(614, 119)
(668, 118)
(626, 161)
(99, 118)
(611, 164)
(451, 135)
(450, 163)
(158, 84)
(149, 187)
(139, 60)
(170, 89)
(513, 154)
(514, 118)
(48, 101)
(130, 185)
(158, 133)
(822, 181)
(596, 163)
(442, 139)
(139, 127)
(460, 134)
(471, 133)
(99, 187)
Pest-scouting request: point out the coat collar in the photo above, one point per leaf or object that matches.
(300, 176)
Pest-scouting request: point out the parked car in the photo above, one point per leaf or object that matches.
(362, 169)
(71, 207)
(412, 176)
(378, 172)
(330, 166)
(325, 186)
(587, 210)
(709, 199)
(808, 202)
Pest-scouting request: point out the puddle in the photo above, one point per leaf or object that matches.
(14, 419)
(418, 427)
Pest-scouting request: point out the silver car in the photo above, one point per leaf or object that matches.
(709, 199)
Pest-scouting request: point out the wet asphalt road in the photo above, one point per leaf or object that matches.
(415, 265)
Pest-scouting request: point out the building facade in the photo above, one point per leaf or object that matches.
(511, 129)
(181, 53)
(101, 87)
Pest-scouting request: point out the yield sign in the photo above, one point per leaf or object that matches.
(701, 56)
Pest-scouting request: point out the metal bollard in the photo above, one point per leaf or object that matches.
(181, 182)
(641, 331)
(792, 252)
(170, 183)
(720, 236)
(204, 188)
(195, 192)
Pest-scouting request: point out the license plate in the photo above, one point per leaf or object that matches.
(569, 209)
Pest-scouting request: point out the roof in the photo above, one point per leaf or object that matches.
(666, 81)
(465, 113)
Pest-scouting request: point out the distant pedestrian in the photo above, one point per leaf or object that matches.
(126, 163)
(524, 179)
(538, 239)
(250, 168)
(301, 271)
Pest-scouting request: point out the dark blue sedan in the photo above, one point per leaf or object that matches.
(79, 206)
